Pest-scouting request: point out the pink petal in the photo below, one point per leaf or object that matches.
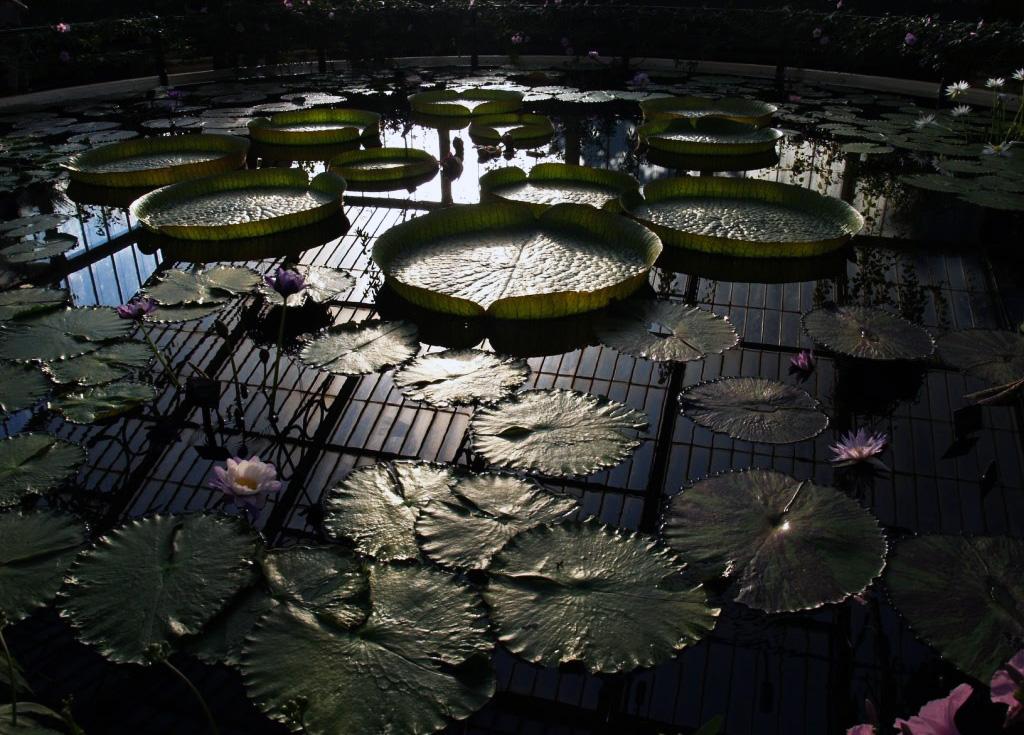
(862, 730)
(938, 716)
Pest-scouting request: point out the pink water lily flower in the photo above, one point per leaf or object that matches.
(859, 446)
(1007, 687)
(136, 309)
(246, 481)
(938, 717)
(62, 28)
(862, 730)
(803, 362)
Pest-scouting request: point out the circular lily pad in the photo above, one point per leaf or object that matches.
(31, 224)
(33, 464)
(583, 592)
(751, 112)
(23, 302)
(708, 137)
(384, 169)
(214, 286)
(60, 335)
(868, 333)
(29, 251)
(557, 183)
(359, 348)
(110, 362)
(754, 410)
(784, 544)
(461, 378)
(323, 286)
(744, 217)
(101, 402)
(35, 551)
(154, 580)
(556, 432)
(240, 204)
(21, 386)
(993, 355)
(963, 596)
(415, 664)
(158, 160)
(471, 103)
(506, 261)
(520, 130)
(316, 126)
(665, 331)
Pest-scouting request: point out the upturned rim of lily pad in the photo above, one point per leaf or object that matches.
(616, 183)
(532, 129)
(737, 109)
(416, 167)
(445, 102)
(755, 140)
(350, 125)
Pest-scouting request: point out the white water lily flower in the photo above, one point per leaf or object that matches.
(995, 82)
(960, 110)
(246, 481)
(956, 89)
(1019, 74)
(924, 121)
(997, 149)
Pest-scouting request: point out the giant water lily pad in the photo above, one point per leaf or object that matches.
(506, 261)
(754, 410)
(61, 335)
(158, 160)
(385, 169)
(868, 333)
(582, 592)
(316, 126)
(413, 666)
(784, 544)
(751, 112)
(461, 377)
(24, 302)
(744, 217)
(154, 580)
(557, 183)
(101, 402)
(240, 204)
(110, 362)
(471, 103)
(482, 514)
(376, 507)
(557, 432)
(359, 348)
(323, 286)
(213, 286)
(708, 137)
(21, 386)
(993, 355)
(32, 464)
(962, 595)
(35, 551)
(520, 130)
(665, 331)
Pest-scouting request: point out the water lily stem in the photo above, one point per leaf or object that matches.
(160, 356)
(277, 359)
(198, 696)
(13, 678)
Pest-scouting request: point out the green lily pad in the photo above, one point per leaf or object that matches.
(360, 348)
(323, 286)
(506, 261)
(158, 160)
(784, 544)
(1006, 201)
(222, 638)
(24, 302)
(744, 217)
(21, 386)
(868, 333)
(28, 251)
(584, 592)
(557, 183)
(315, 126)
(376, 507)
(240, 204)
(471, 103)
(61, 335)
(33, 464)
(182, 313)
(751, 112)
(939, 182)
(754, 410)
(665, 331)
(215, 286)
(412, 667)
(385, 169)
(482, 514)
(32, 224)
(110, 362)
(963, 596)
(33, 719)
(866, 149)
(461, 378)
(707, 136)
(993, 355)
(520, 130)
(101, 402)
(155, 580)
(36, 550)
(556, 432)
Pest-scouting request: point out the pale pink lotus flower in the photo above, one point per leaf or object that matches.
(937, 717)
(62, 28)
(859, 446)
(862, 730)
(246, 481)
(1007, 687)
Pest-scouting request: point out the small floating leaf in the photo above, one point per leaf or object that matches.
(22, 302)
(323, 286)
(35, 464)
(869, 333)
(21, 386)
(993, 355)
(61, 335)
(358, 348)
(557, 432)
(108, 363)
(27, 251)
(102, 401)
(754, 410)
(328, 580)
(785, 544)
(214, 286)
(665, 331)
(584, 592)
(461, 377)
(35, 551)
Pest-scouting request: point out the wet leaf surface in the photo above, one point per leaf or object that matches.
(358, 348)
(868, 333)
(35, 464)
(461, 377)
(36, 550)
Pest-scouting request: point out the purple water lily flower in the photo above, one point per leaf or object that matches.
(860, 446)
(910, 39)
(136, 309)
(286, 281)
(1007, 687)
(62, 28)
(593, 54)
(247, 482)
(64, 57)
(640, 80)
(803, 362)
(937, 717)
